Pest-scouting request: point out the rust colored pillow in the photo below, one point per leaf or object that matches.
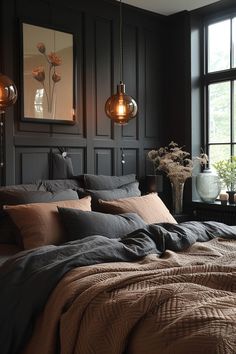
(40, 224)
(149, 207)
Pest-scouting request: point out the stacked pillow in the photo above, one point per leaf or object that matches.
(35, 212)
(18, 195)
(39, 223)
(110, 187)
(80, 224)
(149, 207)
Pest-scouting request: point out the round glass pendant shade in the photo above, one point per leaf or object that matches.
(121, 107)
(8, 92)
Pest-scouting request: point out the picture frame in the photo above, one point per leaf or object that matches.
(48, 75)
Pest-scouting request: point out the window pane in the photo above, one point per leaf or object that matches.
(219, 46)
(234, 113)
(219, 113)
(234, 41)
(218, 152)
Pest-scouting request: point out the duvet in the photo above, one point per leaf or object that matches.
(165, 289)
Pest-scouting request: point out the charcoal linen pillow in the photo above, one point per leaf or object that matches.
(80, 224)
(61, 166)
(62, 184)
(107, 182)
(126, 191)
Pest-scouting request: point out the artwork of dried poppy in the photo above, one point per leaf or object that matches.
(48, 75)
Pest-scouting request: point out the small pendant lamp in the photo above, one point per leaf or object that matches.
(8, 92)
(8, 96)
(121, 107)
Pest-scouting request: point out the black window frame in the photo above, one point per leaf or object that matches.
(227, 75)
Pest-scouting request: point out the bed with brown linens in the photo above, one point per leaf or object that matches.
(131, 281)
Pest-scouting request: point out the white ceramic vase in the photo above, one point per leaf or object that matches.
(208, 185)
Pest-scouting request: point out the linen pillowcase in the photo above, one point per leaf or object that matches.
(128, 190)
(57, 185)
(15, 197)
(61, 166)
(39, 224)
(98, 182)
(149, 207)
(24, 194)
(80, 224)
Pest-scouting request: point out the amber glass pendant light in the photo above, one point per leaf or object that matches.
(8, 92)
(8, 96)
(121, 107)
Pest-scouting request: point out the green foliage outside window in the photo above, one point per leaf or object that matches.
(227, 172)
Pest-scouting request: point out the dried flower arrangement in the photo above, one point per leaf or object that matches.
(175, 162)
(54, 76)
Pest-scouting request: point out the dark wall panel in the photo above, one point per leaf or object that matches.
(131, 161)
(130, 75)
(32, 164)
(103, 161)
(103, 79)
(152, 86)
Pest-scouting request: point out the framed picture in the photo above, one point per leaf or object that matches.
(48, 75)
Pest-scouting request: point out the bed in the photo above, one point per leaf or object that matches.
(161, 288)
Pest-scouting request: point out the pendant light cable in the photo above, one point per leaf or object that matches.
(121, 42)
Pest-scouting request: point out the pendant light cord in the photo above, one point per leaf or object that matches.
(121, 42)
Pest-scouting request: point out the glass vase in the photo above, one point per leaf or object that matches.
(177, 196)
(208, 185)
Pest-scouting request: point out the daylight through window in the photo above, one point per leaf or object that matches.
(220, 86)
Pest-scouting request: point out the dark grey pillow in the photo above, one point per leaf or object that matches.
(8, 231)
(80, 224)
(107, 182)
(61, 166)
(62, 184)
(25, 187)
(15, 197)
(126, 191)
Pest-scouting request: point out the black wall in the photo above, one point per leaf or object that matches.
(94, 143)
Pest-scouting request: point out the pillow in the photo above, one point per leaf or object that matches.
(61, 166)
(80, 224)
(15, 197)
(149, 207)
(24, 187)
(128, 190)
(107, 182)
(62, 184)
(8, 232)
(39, 223)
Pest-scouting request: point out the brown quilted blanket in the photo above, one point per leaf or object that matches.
(182, 303)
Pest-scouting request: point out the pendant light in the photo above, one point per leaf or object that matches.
(121, 107)
(8, 96)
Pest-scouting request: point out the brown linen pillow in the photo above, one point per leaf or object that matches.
(149, 207)
(40, 224)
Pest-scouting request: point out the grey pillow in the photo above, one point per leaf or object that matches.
(80, 224)
(62, 184)
(126, 191)
(107, 182)
(15, 197)
(61, 166)
(25, 187)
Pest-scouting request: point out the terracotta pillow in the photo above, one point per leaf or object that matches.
(149, 207)
(40, 224)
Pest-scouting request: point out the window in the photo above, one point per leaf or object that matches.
(220, 88)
